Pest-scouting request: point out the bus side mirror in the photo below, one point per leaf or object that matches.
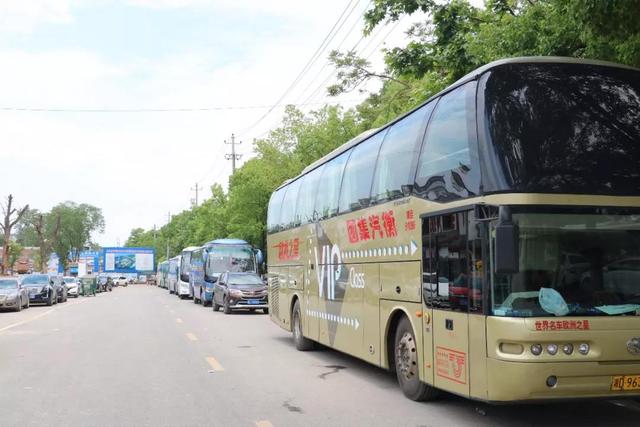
(507, 253)
(259, 256)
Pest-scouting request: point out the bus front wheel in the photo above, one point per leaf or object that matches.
(302, 343)
(407, 364)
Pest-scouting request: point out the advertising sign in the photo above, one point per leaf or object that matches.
(128, 260)
(91, 260)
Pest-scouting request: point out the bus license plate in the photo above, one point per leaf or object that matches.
(254, 301)
(625, 382)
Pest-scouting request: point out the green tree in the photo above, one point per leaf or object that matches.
(76, 224)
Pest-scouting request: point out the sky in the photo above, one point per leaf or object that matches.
(225, 62)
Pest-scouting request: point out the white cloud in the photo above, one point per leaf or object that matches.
(23, 16)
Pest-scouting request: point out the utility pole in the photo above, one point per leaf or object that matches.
(196, 189)
(233, 156)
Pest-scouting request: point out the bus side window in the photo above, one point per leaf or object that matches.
(307, 195)
(329, 189)
(447, 258)
(289, 202)
(273, 214)
(448, 167)
(396, 164)
(356, 184)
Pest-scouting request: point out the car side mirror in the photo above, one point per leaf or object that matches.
(507, 244)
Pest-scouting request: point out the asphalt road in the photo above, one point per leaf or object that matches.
(141, 357)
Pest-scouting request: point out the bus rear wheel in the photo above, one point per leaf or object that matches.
(302, 343)
(407, 364)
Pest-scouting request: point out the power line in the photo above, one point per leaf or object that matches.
(304, 70)
(142, 110)
(313, 80)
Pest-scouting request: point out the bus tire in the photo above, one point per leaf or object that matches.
(407, 364)
(302, 343)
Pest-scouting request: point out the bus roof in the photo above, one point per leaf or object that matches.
(191, 248)
(226, 242)
(470, 76)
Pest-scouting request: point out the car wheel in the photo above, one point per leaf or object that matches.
(50, 300)
(64, 299)
(265, 310)
(407, 364)
(215, 306)
(302, 343)
(18, 306)
(225, 304)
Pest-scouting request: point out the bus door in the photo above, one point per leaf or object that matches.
(448, 291)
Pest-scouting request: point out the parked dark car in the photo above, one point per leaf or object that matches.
(41, 288)
(12, 295)
(245, 291)
(61, 288)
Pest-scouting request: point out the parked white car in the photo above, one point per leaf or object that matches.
(72, 285)
(121, 281)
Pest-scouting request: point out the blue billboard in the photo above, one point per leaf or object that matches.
(128, 260)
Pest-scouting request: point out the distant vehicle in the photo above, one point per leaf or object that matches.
(245, 291)
(196, 277)
(223, 255)
(41, 288)
(105, 283)
(72, 285)
(120, 281)
(12, 294)
(152, 279)
(173, 274)
(142, 279)
(183, 286)
(61, 288)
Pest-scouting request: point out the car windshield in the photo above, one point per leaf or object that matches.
(35, 280)
(572, 264)
(8, 283)
(245, 280)
(235, 259)
(70, 280)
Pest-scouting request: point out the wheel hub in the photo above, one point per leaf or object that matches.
(406, 356)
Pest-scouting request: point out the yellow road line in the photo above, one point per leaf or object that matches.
(31, 319)
(263, 423)
(178, 320)
(215, 365)
(192, 337)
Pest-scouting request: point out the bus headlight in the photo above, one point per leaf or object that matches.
(583, 348)
(552, 349)
(536, 349)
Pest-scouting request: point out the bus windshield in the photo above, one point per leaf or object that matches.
(572, 264)
(563, 128)
(236, 259)
(185, 266)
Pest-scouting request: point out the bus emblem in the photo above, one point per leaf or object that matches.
(633, 345)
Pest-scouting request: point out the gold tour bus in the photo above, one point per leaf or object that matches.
(486, 243)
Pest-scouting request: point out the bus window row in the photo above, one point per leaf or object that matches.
(430, 153)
